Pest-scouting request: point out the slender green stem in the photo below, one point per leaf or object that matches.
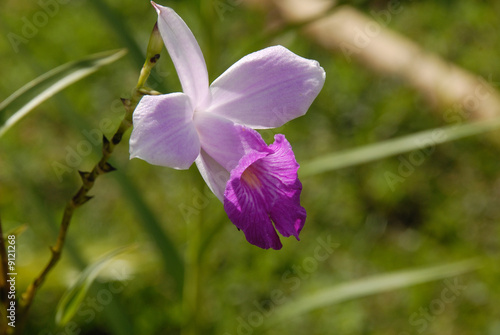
(192, 279)
(89, 178)
(80, 198)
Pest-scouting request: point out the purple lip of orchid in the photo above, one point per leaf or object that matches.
(264, 188)
(213, 126)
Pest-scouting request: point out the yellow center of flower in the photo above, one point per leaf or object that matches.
(249, 176)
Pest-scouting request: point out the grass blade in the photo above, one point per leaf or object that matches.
(73, 297)
(372, 285)
(372, 152)
(24, 100)
(172, 261)
(17, 230)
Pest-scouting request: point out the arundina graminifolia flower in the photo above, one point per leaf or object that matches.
(264, 187)
(213, 126)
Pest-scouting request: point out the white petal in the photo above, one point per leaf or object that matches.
(225, 141)
(267, 88)
(223, 144)
(186, 55)
(219, 138)
(164, 132)
(213, 173)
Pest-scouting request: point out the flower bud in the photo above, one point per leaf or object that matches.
(155, 45)
(152, 55)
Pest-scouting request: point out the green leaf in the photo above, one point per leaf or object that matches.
(396, 146)
(40, 89)
(73, 297)
(371, 285)
(17, 230)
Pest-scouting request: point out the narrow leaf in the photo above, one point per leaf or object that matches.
(73, 297)
(372, 152)
(371, 285)
(17, 230)
(40, 89)
(172, 261)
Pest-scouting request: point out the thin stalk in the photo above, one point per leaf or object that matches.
(191, 291)
(89, 178)
(80, 198)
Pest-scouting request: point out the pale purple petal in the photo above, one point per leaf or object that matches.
(186, 55)
(164, 132)
(262, 189)
(225, 141)
(213, 173)
(267, 88)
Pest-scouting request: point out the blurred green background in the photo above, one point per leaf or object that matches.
(445, 211)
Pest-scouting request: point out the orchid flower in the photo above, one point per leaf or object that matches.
(264, 188)
(212, 125)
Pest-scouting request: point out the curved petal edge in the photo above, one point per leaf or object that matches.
(164, 133)
(185, 54)
(264, 189)
(267, 88)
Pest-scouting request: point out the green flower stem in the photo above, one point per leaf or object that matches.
(89, 178)
(193, 322)
(191, 285)
(80, 198)
(191, 292)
